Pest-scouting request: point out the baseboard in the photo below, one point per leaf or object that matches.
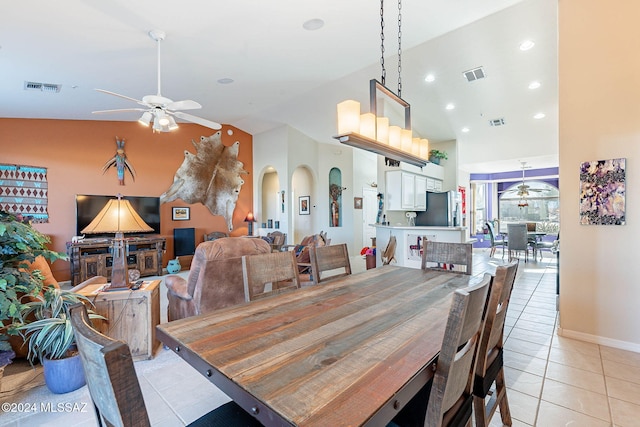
(609, 342)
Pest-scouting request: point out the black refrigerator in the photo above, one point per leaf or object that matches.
(442, 210)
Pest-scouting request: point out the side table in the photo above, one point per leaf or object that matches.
(132, 316)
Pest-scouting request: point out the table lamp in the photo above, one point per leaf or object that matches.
(118, 216)
(250, 220)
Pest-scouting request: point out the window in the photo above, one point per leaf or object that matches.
(542, 201)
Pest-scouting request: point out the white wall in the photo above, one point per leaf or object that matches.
(599, 82)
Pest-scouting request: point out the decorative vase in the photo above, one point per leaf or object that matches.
(434, 160)
(63, 375)
(174, 266)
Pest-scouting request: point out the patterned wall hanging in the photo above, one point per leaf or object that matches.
(602, 192)
(24, 190)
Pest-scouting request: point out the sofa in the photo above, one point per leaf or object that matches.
(215, 278)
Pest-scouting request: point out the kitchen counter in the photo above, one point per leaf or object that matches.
(419, 227)
(409, 240)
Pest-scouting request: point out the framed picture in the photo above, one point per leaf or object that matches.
(357, 203)
(180, 214)
(303, 205)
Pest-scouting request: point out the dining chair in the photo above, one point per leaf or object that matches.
(489, 364)
(552, 246)
(324, 258)
(517, 240)
(449, 395)
(268, 274)
(389, 253)
(114, 387)
(496, 239)
(445, 256)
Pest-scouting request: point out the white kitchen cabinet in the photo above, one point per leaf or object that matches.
(406, 191)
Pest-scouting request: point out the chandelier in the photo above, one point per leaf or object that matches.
(523, 190)
(373, 133)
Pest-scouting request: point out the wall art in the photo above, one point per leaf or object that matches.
(120, 162)
(180, 213)
(212, 177)
(303, 205)
(602, 192)
(24, 191)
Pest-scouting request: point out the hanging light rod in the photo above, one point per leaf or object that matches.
(371, 132)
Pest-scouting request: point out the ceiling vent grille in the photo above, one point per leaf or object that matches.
(474, 74)
(496, 122)
(42, 87)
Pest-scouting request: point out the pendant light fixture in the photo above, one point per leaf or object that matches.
(523, 190)
(372, 132)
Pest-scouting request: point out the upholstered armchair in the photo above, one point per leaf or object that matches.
(215, 278)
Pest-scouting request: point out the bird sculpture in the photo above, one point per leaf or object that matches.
(120, 162)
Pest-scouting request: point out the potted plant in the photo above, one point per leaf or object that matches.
(436, 155)
(20, 244)
(50, 338)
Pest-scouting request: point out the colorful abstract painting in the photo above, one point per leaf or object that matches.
(602, 192)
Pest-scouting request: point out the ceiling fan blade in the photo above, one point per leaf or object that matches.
(186, 104)
(121, 96)
(120, 110)
(197, 120)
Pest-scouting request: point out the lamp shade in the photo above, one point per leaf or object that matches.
(249, 217)
(117, 216)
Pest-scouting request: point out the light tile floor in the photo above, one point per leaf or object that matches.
(552, 381)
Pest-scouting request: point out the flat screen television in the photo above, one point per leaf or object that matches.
(88, 206)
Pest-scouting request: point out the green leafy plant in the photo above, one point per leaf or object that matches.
(437, 154)
(51, 334)
(20, 244)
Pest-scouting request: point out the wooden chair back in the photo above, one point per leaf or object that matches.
(277, 269)
(324, 258)
(279, 240)
(389, 253)
(451, 392)
(454, 257)
(489, 364)
(111, 377)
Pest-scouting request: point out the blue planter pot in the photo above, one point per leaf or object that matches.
(63, 375)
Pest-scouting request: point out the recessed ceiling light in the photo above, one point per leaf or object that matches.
(465, 129)
(526, 45)
(429, 78)
(225, 81)
(539, 116)
(450, 106)
(534, 85)
(313, 24)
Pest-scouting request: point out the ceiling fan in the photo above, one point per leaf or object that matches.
(158, 109)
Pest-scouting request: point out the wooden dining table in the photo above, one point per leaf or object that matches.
(350, 352)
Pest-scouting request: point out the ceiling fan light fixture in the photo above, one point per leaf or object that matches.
(162, 118)
(172, 124)
(145, 120)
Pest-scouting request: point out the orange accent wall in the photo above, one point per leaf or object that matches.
(74, 152)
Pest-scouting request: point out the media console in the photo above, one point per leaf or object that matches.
(92, 257)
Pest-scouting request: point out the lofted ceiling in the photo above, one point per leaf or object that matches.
(285, 74)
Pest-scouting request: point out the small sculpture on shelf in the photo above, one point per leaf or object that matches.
(174, 266)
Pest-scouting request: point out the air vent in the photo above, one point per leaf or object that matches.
(474, 74)
(42, 87)
(496, 122)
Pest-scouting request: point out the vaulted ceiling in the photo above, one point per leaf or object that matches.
(283, 73)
